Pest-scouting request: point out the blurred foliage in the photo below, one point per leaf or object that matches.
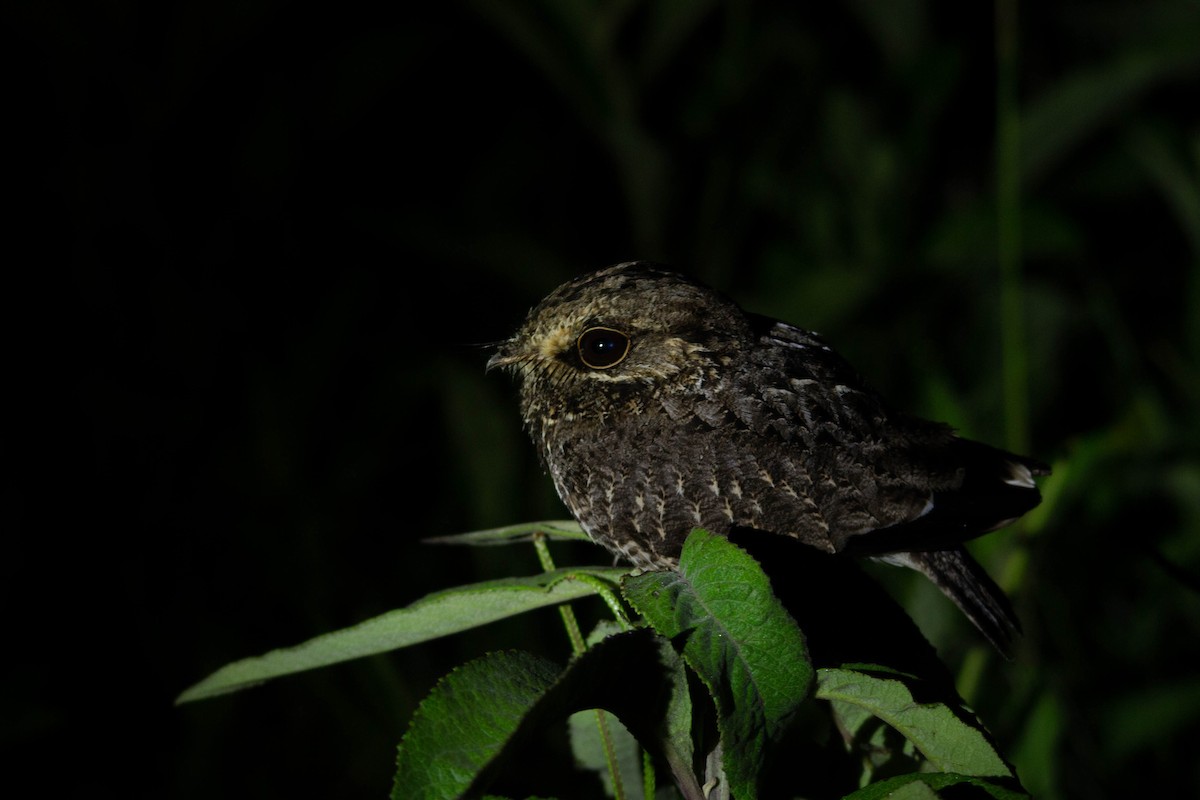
(264, 242)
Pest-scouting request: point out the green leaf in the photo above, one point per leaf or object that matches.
(431, 617)
(462, 733)
(588, 741)
(587, 744)
(1175, 179)
(720, 611)
(677, 723)
(947, 741)
(466, 722)
(1084, 101)
(920, 786)
(513, 534)
(674, 733)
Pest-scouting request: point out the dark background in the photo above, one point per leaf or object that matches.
(257, 246)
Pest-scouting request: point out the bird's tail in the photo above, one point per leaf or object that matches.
(965, 582)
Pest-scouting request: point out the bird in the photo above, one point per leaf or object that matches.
(658, 405)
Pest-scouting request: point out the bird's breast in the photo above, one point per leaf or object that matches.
(647, 483)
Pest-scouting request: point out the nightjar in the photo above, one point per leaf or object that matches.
(659, 406)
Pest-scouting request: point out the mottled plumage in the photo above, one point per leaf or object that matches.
(658, 405)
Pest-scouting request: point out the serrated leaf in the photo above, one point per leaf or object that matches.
(947, 742)
(431, 617)
(466, 721)
(557, 530)
(719, 610)
(927, 784)
(462, 732)
(677, 723)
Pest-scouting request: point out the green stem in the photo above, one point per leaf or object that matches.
(603, 589)
(1008, 220)
(579, 647)
(648, 778)
(1013, 355)
(568, 615)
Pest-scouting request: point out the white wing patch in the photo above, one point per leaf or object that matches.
(1019, 476)
(928, 507)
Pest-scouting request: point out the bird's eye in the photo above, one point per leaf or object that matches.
(601, 348)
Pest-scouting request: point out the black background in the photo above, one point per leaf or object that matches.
(256, 249)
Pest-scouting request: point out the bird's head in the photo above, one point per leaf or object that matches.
(617, 336)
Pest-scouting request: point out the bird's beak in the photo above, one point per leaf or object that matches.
(506, 354)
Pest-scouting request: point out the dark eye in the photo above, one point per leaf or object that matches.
(601, 348)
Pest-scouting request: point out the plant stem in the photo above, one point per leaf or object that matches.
(568, 615)
(1008, 224)
(579, 647)
(1013, 356)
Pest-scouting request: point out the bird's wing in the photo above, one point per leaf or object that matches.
(889, 486)
(816, 429)
(883, 481)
